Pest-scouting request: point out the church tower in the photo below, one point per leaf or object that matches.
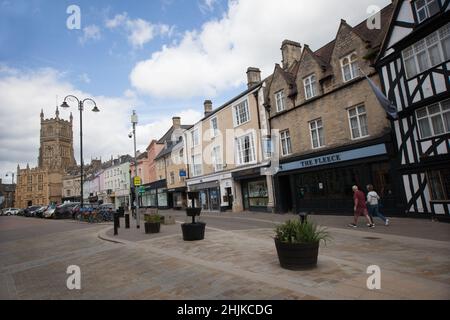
(56, 147)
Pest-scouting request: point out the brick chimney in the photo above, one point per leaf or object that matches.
(208, 107)
(253, 76)
(291, 51)
(176, 122)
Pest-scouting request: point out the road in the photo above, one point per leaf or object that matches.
(237, 260)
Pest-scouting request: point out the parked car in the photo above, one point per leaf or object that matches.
(64, 211)
(10, 211)
(49, 213)
(31, 211)
(40, 212)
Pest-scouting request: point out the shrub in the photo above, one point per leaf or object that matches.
(293, 231)
(153, 218)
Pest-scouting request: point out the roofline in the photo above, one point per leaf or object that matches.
(249, 90)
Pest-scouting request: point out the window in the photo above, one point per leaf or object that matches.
(428, 52)
(310, 86)
(216, 158)
(267, 147)
(195, 138)
(349, 67)
(434, 120)
(317, 137)
(358, 122)
(181, 155)
(439, 182)
(196, 165)
(280, 100)
(245, 149)
(214, 128)
(286, 148)
(241, 113)
(426, 9)
(172, 178)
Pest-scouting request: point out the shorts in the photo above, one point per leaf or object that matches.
(361, 212)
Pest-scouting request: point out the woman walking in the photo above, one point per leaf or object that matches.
(373, 201)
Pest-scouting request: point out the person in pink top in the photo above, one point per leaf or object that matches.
(360, 208)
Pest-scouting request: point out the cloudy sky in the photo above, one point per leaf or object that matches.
(161, 57)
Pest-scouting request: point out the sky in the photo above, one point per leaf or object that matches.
(162, 58)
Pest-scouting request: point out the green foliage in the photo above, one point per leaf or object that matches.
(293, 231)
(153, 218)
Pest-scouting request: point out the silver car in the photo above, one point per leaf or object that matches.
(50, 212)
(10, 211)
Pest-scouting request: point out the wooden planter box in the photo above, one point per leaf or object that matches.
(152, 227)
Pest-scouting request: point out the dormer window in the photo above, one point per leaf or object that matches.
(310, 84)
(426, 9)
(279, 98)
(349, 67)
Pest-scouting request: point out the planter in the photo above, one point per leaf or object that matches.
(297, 256)
(193, 231)
(152, 227)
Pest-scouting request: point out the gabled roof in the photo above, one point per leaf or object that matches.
(168, 135)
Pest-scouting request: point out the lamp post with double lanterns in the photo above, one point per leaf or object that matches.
(134, 122)
(80, 103)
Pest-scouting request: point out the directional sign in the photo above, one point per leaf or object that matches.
(141, 190)
(137, 181)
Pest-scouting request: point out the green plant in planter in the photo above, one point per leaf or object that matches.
(294, 231)
(153, 218)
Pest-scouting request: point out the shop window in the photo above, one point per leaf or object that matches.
(439, 183)
(358, 122)
(434, 120)
(256, 194)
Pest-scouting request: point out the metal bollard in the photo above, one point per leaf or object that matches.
(116, 223)
(127, 221)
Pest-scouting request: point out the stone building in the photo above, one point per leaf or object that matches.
(333, 132)
(43, 185)
(7, 195)
(225, 152)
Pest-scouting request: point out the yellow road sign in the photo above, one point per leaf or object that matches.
(137, 181)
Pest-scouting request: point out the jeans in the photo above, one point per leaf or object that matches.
(374, 211)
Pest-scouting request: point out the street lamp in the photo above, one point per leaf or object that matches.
(65, 105)
(134, 121)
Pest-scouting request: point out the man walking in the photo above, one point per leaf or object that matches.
(374, 206)
(360, 208)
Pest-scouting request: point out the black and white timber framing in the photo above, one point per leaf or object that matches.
(416, 156)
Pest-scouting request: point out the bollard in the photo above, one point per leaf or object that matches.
(118, 218)
(116, 223)
(127, 221)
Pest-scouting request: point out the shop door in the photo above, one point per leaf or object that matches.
(214, 199)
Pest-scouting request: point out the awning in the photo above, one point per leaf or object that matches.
(202, 186)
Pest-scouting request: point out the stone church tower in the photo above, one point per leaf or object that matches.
(56, 148)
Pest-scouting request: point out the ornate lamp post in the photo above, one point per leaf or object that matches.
(80, 108)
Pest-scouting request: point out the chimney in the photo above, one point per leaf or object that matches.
(176, 122)
(253, 77)
(208, 107)
(291, 51)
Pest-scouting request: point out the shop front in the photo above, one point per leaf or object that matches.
(323, 183)
(209, 195)
(179, 198)
(155, 195)
(254, 188)
(215, 192)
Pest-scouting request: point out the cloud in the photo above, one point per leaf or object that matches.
(23, 93)
(85, 78)
(91, 32)
(207, 5)
(139, 31)
(214, 58)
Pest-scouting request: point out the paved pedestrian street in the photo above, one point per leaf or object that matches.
(237, 260)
